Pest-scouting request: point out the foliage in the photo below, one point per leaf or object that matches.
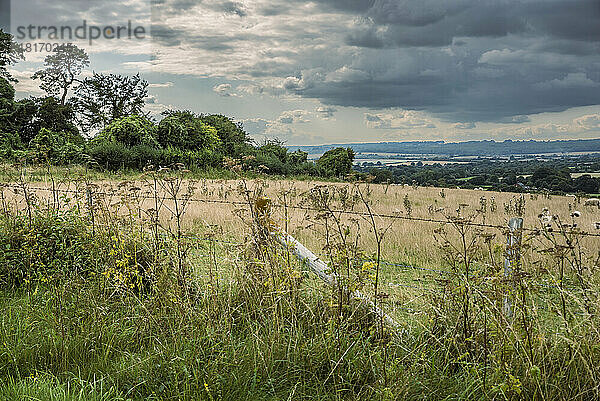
(184, 130)
(103, 98)
(33, 114)
(130, 131)
(50, 246)
(7, 92)
(10, 53)
(55, 147)
(500, 175)
(7, 106)
(234, 140)
(61, 70)
(10, 145)
(337, 162)
(552, 179)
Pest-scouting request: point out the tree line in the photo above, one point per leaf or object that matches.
(553, 175)
(99, 119)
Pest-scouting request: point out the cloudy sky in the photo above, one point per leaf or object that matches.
(335, 71)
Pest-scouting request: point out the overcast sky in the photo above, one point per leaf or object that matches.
(328, 71)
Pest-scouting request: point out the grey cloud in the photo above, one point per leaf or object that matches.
(365, 34)
(269, 10)
(464, 60)
(230, 7)
(359, 6)
(167, 36)
(412, 13)
(435, 23)
(255, 126)
(468, 125)
(515, 119)
(326, 112)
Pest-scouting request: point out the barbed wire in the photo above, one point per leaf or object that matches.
(394, 304)
(458, 221)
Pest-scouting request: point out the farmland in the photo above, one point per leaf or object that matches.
(165, 285)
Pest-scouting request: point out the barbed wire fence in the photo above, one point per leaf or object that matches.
(90, 193)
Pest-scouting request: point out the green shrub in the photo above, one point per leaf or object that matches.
(109, 155)
(184, 130)
(130, 131)
(337, 162)
(9, 145)
(51, 246)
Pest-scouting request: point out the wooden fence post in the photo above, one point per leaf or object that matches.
(319, 267)
(513, 241)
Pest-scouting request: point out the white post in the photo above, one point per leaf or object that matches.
(320, 268)
(513, 241)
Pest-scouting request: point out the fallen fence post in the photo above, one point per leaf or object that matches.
(318, 266)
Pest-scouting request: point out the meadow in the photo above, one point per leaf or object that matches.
(166, 285)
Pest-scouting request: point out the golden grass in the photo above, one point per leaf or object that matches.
(406, 241)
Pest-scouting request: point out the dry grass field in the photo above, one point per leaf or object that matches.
(408, 216)
(408, 240)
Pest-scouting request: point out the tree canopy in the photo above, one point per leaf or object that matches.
(63, 66)
(337, 162)
(10, 53)
(102, 98)
(185, 130)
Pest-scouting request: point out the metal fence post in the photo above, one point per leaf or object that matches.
(513, 241)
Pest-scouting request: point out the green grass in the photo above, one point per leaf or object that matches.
(263, 330)
(37, 173)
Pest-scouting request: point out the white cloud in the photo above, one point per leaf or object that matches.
(294, 117)
(326, 112)
(167, 84)
(588, 122)
(225, 90)
(26, 86)
(467, 125)
(408, 119)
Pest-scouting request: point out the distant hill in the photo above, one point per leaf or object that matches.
(470, 148)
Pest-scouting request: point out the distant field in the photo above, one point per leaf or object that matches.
(577, 175)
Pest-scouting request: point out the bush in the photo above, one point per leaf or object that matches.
(184, 130)
(109, 155)
(337, 162)
(53, 245)
(55, 148)
(9, 145)
(130, 131)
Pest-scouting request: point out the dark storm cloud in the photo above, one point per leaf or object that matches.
(440, 21)
(537, 44)
(464, 60)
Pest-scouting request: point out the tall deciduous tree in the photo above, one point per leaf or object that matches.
(102, 98)
(10, 53)
(46, 112)
(63, 66)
